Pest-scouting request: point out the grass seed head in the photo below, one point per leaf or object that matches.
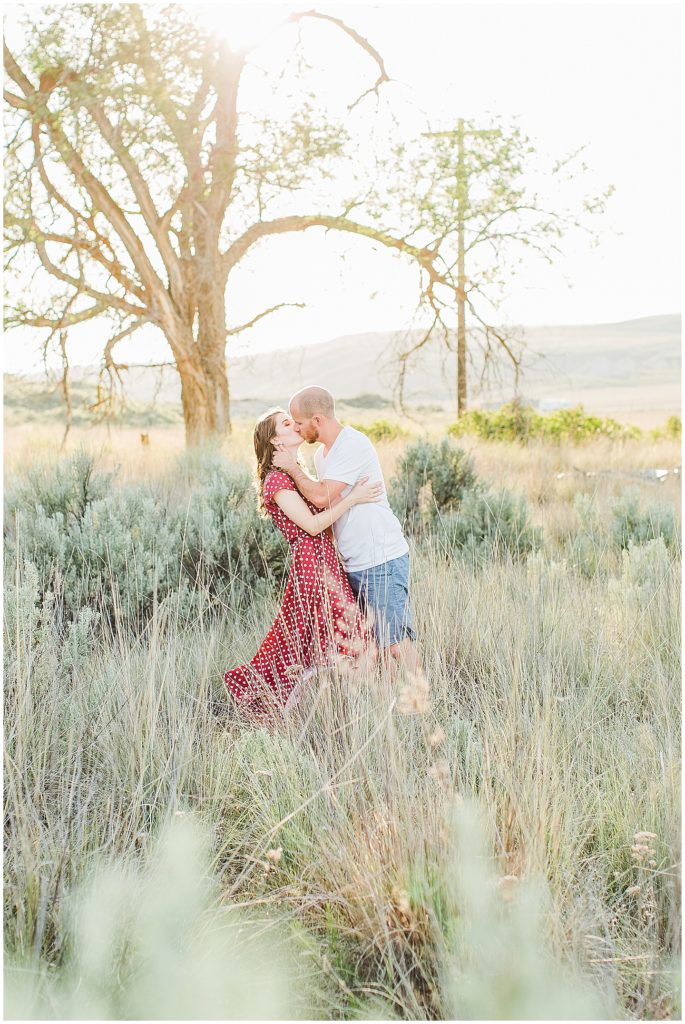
(436, 738)
(413, 698)
(507, 886)
(440, 771)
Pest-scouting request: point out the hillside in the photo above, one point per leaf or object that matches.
(630, 370)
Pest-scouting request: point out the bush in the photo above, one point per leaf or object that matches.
(65, 488)
(381, 430)
(513, 422)
(575, 426)
(489, 525)
(151, 941)
(124, 551)
(631, 524)
(225, 541)
(517, 422)
(645, 566)
(127, 551)
(671, 429)
(588, 542)
(430, 479)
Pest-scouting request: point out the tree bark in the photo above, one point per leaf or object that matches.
(202, 366)
(204, 395)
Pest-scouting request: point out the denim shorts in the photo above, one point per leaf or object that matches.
(384, 590)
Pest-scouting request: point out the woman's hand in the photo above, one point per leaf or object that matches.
(364, 492)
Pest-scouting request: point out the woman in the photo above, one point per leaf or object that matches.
(319, 617)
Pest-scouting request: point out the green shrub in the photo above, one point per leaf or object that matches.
(645, 566)
(491, 524)
(151, 941)
(65, 487)
(225, 541)
(125, 553)
(633, 524)
(576, 426)
(381, 430)
(431, 478)
(588, 543)
(672, 429)
(132, 549)
(517, 422)
(512, 422)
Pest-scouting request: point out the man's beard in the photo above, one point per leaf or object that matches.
(314, 435)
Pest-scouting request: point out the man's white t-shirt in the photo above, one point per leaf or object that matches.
(367, 534)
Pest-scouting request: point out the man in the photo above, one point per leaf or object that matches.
(370, 541)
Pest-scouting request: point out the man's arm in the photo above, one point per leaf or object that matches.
(322, 493)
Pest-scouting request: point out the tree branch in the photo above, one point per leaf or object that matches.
(358, 39)
(107, 354)
(66, 320)
(425, 257)
(271, 309)
(40, 114)
(490, 330)
(222, 156)
(142, 193)
(93, 250)
(16, 101)
(80, 284)
(404, 357)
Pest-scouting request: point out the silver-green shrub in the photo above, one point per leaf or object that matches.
(226, 544)
(588, 543)
(633, 524)
(65, 487)
(498, 964)
(491, 524)
(431, 479)
(127, 549)
(152, 942)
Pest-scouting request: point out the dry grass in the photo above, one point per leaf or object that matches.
(346, 833)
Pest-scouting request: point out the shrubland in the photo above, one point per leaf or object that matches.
(497, 838)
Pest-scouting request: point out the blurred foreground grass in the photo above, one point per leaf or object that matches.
(508, 849)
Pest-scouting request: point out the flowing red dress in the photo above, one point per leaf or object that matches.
(318, 619)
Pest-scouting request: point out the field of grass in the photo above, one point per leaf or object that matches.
(502, 842)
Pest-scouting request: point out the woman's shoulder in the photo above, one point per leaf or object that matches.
(276, 480)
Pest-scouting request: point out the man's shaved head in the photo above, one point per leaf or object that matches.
(313, 401)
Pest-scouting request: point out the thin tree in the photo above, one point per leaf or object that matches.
(480, 198)
(137, 184)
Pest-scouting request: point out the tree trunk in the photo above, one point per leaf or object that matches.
(204, 395)
(202, 368)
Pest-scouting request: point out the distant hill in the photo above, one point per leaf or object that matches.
(630, 370)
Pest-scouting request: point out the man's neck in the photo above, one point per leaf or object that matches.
(329, 436)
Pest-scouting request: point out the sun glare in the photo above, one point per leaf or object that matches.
(243, 26)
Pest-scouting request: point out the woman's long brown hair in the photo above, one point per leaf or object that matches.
(264, 432)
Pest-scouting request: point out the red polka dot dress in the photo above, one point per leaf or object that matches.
(318, 619)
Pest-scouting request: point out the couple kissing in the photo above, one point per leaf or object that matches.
(337, 603)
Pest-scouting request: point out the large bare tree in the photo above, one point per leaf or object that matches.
(137, 183)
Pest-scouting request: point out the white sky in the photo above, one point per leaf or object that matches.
(605, 74)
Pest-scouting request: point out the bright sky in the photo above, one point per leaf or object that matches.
(605, 74)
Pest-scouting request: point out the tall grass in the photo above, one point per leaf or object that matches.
(502, 842)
